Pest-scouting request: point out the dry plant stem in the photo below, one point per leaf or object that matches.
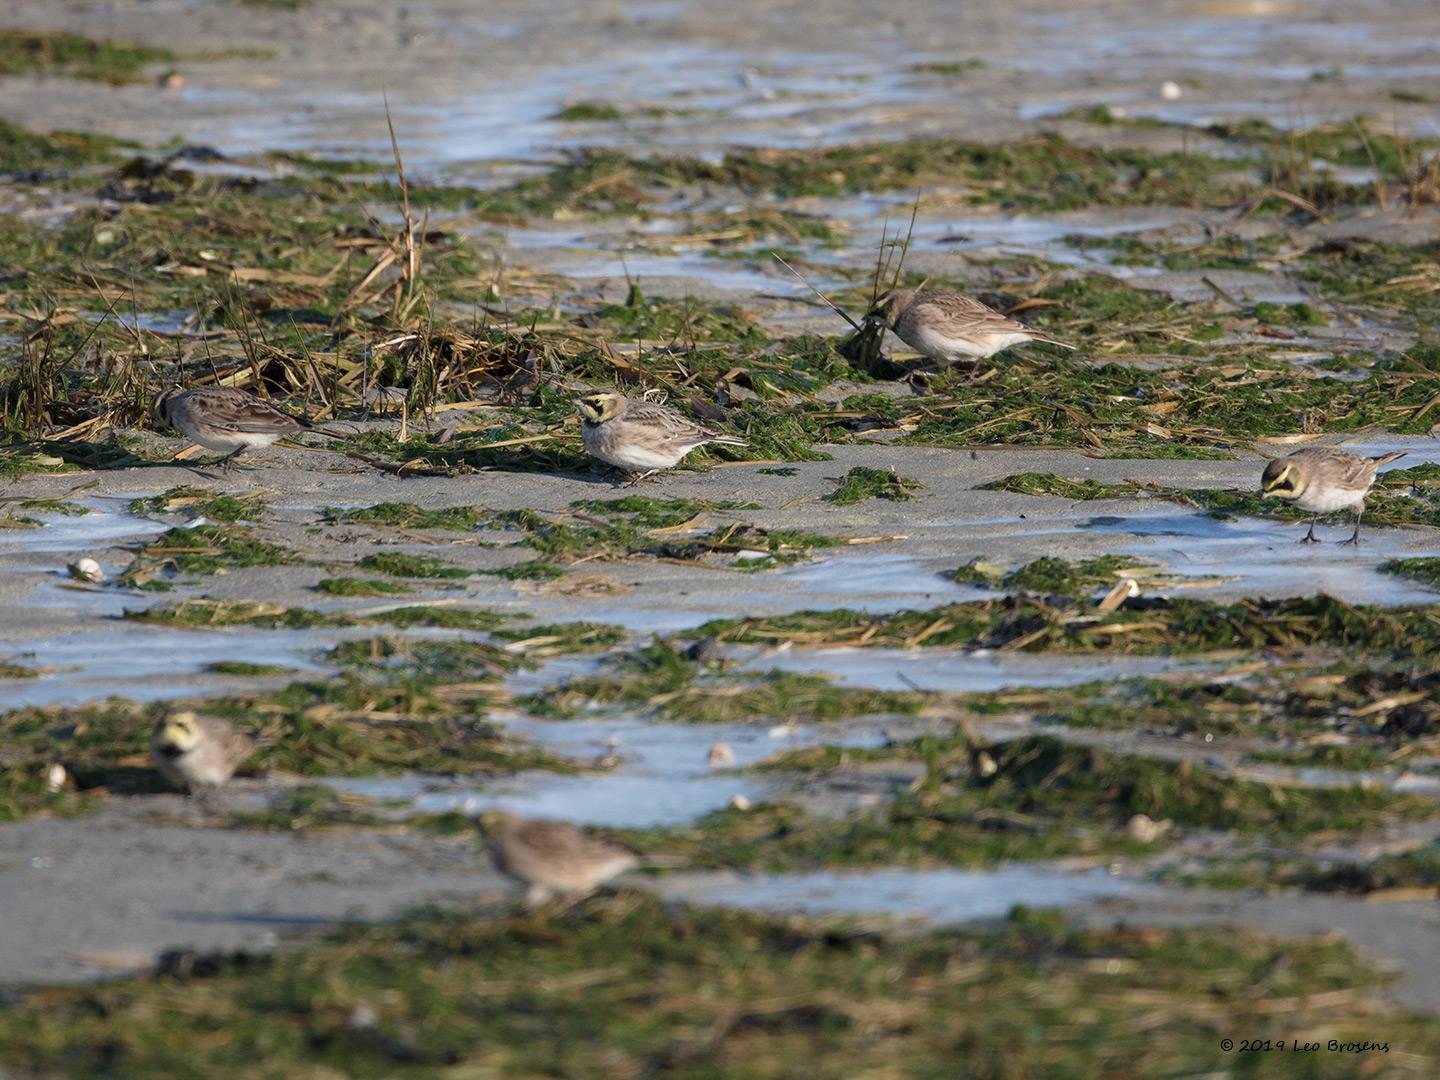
(805, 281)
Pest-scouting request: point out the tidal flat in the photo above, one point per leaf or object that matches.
(982, 721)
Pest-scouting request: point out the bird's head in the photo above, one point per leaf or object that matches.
(601, 406)
(176, 734)
(1281, 480)
(890, 305)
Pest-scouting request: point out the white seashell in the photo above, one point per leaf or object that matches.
(1145, 830)
(86, 570)
(55, 777)
(721, 756)
(1170, 90)
(739, 802)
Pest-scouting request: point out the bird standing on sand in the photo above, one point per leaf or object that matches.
(640, 437)
(553, 858)
(230, 421)
(1322, 480)
(949, 327)
(198, 751)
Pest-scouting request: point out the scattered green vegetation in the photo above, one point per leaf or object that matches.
(27, 150)
(245, 667)
(1040, 798)
(588, 111)
(1144, 625)
(662, 681)
(1400, 497)
(648, 512)
(256, 613)
(25, 52)
(1423, 568)
(410, 516)
(556, 638)
(626, 533)
(351, 586)
(1050, 484)
(949, 67)
(447, 618)
(529, 570)
(781, 997)
(399, 564)
(862, 483)
(10, 670)
(201, 549)
(1290, 314)
(202, 503)
(1049, 576)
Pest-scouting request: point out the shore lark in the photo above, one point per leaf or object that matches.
(553, 858)
(949, 327)
(1322, 480)
(230, 421)
(640, 437)
(198, 751)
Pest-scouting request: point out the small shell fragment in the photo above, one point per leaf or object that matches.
(86, 570)
(1145, 830)
(739, 802)
(721, 756)
(1170, 90)
(55, 777)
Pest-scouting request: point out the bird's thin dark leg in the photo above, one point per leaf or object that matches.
(1310, 537)
(225, 462)
(639, 478)
(1354, 540)
(198, 470)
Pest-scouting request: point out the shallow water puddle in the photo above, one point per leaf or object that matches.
(944, 895)
(878, 582)
(662, 776)
(1266, 559)
(151, 663)
(951, 670)
(108, 522)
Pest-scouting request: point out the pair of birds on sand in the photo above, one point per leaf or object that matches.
(949, 328)
(551, 858)
(638, 437)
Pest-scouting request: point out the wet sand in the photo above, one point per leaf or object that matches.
(103, 894)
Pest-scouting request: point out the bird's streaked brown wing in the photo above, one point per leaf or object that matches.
(959, 316)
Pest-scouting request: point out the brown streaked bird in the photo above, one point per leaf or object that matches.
(553, 858)
(1322, 480)
(230, 421)
(198, 751)
(949, 327)
(640, 437)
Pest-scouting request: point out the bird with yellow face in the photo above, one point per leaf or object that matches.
(640, 437)
(1323, 480)
(198, 752)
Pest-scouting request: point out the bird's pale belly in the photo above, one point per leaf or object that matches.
(229, 441)
(951, 350)
(1327, 502)
(635, 458)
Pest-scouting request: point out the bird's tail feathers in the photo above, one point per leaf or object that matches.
(1385, 459)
